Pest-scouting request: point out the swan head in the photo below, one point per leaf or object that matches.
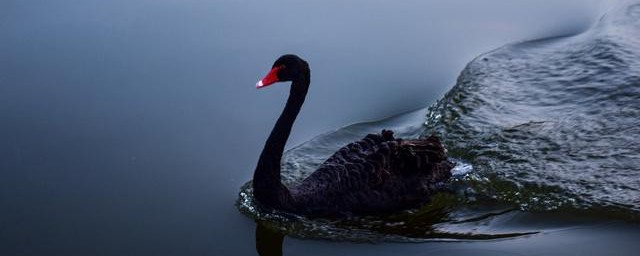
(287, 68)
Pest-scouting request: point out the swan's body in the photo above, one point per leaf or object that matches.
(378, 174)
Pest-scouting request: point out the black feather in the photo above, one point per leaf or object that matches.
(376, 175)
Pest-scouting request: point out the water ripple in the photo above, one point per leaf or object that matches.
(539, 131)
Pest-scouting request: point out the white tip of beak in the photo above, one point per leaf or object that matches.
(259, 84)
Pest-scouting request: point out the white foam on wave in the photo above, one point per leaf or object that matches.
(461, 168)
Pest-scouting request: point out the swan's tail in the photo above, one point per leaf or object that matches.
(424, 155)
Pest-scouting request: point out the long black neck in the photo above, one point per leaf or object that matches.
(267, 187)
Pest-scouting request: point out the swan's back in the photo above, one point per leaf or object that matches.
(378, 174)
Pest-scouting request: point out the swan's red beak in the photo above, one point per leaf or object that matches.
(269, 79)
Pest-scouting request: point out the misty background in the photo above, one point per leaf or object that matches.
(129, 126)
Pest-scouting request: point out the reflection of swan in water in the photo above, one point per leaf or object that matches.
(268, 241)
(379, 174)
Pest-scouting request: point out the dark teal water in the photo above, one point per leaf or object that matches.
(545, 137)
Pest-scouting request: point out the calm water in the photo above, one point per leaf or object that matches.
(128, 127)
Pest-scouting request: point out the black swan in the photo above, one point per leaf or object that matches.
(376, 175)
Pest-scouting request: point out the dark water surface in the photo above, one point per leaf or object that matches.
(128, 127)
